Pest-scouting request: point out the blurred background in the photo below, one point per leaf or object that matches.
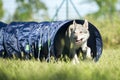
(104, 14)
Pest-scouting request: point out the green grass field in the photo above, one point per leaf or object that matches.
(107, 68)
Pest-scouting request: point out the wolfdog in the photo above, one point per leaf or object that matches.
(73, 41)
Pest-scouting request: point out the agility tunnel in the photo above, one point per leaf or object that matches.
(34, 39)
(2, 25)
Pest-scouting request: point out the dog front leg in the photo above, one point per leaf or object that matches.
(88, 53)
(73, 55)
(75, 59)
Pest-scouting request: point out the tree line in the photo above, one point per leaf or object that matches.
(27, 9)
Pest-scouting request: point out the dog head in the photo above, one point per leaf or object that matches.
(79, 33)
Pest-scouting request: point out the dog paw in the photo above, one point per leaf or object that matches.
(88, 55)
(75, 60)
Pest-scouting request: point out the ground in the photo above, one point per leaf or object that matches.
(107, 68)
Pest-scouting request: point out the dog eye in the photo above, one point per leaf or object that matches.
(71, 29)
(80, 31)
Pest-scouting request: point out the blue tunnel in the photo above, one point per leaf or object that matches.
(2, 26)
(34, 39)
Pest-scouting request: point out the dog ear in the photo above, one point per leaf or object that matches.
(68, 31)
(85, 24)
(74, 23)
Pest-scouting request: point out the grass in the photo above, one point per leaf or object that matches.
(107, 68)
(109, 30)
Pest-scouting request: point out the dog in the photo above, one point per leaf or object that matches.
(72, 41)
